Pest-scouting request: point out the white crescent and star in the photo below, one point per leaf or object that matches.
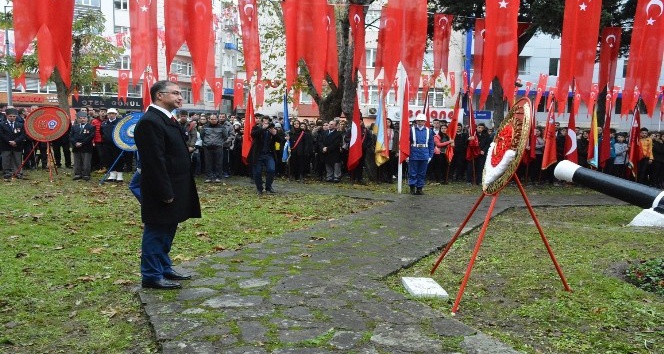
(583, 6)
(658, 3)
(443, 19)
(503, 4)
(354, 134)
(612, 42)
(357, 19)
(572, 136)
(248, 7)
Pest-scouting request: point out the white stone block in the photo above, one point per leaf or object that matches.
(424, 287)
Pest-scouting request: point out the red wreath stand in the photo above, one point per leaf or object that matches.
(487, 218)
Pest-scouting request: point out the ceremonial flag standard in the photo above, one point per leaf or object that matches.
(549, 157)
(473, 150)
(609, 49)
(332, 54)
(238, 94)
(218, 91)
(593, 146)
(605, 144)
(249, 122)
(250, 43)
(578, 48)
(404, 126)
(634, 154)
(645, 56)
(442, 32)
(144, 35)
(500, 47)
(355, 145)
(260, 93)
(356, 20)
(571, 153)
(382, 149)
(286, 117)
(452, 127)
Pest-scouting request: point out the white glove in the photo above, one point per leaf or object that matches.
(429, 160)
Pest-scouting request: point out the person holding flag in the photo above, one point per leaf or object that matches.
(421, 151)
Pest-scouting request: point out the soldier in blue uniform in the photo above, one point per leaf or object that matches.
(421, 152)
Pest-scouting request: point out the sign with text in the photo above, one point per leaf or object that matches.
(133, 103)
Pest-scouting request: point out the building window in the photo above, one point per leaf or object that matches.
(121, 4)
(186, 95)
(371, 58)
(181, 68)
(624, 71)
(305, 98)
(123, 63)
(524, 65)
(209, 94)
(135, 91)
(96, 3)
(120, 29)
(553, 66)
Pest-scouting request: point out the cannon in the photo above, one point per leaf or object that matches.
(648, 198)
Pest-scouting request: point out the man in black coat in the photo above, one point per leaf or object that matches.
(263, 135)
(80, 137)
(12, 137)
(168, 190)
(332, 152)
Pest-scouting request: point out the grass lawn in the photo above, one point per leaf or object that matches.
(515, 294)
(71, 249)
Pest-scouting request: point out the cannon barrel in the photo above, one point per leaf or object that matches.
(627, 191)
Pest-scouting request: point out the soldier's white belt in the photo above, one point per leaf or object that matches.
(419, 145)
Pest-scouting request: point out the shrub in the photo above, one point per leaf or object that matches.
(647, 275)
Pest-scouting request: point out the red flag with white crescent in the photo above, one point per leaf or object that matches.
(390, 38)
(211, 61)
(148, 81)
(500, 47)
(238, 94)
(549, 156)
(144, 34)
(571, 153)
(260, 93)
(442, 31)
(645, 56)
(452, 127)
(609, 49)
(578, 47)
(123, 84)
(249, 122)
(452, 80)
(332, 55)
(529, 86)
(250, 38)
(356, 20)
(414, 39)
(478, 55)
(196, 84)
(173, 77)
(218, 91)
(355, 145)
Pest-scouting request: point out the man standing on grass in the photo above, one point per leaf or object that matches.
(168, 190)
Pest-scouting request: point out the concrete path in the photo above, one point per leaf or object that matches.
(321, 290)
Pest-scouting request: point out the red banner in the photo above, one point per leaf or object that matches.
(578, 48)
(238, 93)
(148, 81)
(442, 31)
(218, 91)
(609, 49)
(500, 47)
(332, 54)
(249, 122)
(478, 56)
(541, 87)
(390, 38)
(20, 80)
(355, 145)
(549, 157)
(645, 56)
(571, 153)
(173, 77)
(144, 34)
(304, 23)
(452, 127)
(404, 126)
(51, 23)
(260, 93)
(414, 39)
(452, 81)
(123, 84)
(196, 83)
(356, 20)
(634, 154)
(250, 44)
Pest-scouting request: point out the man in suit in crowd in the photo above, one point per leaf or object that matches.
(168, 190)
(332, 152)
(12, 137)
(264, 135)
(80, 137)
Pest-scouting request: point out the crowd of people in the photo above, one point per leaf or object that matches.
(318, 150)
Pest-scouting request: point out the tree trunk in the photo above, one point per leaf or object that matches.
(62, 90)
(499, 102)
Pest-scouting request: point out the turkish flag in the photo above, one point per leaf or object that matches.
(250, 43)
(478, 46)
(609, 49)
(500, 47)
(452, 81)
(549, 157)
(211, 61)
(452, 127)
(414, 39)
(186, 20)
(304, 23)
(578, 48)
(473, 149)
(390, 38)
(119, 40)
(123, 84)
(356, 19)
(570, 139)
(196, 83)
(442, 30)
(634, 154)
(144, 34)
(541, 88)
(529, 86)
(249, 122)
(645, 56)
(404, 126)
(148, 81)
(355, 146)
(238, 95)
(173, 77)
(218, 91)
(332, 54)
(260, 93)
(51, 22)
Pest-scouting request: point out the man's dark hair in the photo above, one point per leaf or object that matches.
(644, 129)
(159, 86)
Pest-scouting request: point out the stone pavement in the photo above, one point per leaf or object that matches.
(321, 290)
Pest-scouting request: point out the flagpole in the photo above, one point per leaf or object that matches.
(400, 104)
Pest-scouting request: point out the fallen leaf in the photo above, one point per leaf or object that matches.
(218, 248)
(122, 282)
(96, 250)
(87, 278)
(72, 314)
(58, 248)
(305, 255)
(109, 313)
(236, 261)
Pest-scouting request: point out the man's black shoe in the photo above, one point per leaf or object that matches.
(412, 189)
(76, 177)
(163, 284)
(419, 191)
(176, 276)
(270, 190)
